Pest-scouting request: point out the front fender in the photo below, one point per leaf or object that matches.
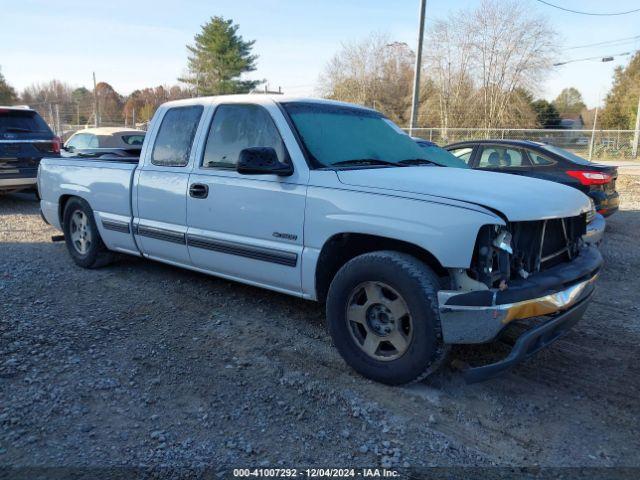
(446, 231)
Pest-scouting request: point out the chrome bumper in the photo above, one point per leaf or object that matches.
(17, 182)
(479, 324)
(595, 230)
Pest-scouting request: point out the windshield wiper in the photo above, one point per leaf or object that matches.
(418, 161)
(17, 129)
(363, 161)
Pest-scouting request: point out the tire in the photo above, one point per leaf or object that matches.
(85, 245)
(382, 312)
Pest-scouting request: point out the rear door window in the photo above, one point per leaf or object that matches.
(22, 122)
(502, 157)
(175, 137)
(538, 160)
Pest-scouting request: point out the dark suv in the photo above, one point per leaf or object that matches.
(24, 139)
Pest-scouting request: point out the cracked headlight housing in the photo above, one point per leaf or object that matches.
(502, 241)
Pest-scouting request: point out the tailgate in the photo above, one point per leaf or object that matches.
(24, 152)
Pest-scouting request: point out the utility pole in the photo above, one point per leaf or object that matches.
(593, 131)
(96, 111)
(636, 136)
(58, 129)
(51, 120)
(416, 74)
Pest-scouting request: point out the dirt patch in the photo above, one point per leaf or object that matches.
(139, 364)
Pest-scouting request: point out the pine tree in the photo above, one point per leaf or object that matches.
(546, 113)
(219, 56)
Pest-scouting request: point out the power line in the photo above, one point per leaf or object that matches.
(610, 14)
(605, 58)
(619, 41)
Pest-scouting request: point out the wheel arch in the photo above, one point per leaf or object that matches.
(342, 247)
(64, 200)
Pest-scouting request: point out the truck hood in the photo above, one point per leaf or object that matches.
(518, 198)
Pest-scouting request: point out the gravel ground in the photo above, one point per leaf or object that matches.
(143, 364)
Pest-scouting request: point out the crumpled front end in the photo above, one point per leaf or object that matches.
(479, 316)
(523, 270)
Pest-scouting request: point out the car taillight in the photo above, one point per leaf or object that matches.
(590, 178)
(55, 144)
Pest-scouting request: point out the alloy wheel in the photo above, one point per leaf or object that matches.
(379, 321)
(81, 236)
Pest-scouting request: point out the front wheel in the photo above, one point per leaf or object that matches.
(82, 236)
(382, 311)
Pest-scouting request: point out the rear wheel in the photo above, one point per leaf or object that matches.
(383, 317)
(82, 236)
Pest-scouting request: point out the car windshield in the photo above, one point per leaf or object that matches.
(339, 136)
(441, 156)
(566, 154)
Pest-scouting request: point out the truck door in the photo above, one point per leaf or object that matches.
(246, 227)
(160, 197)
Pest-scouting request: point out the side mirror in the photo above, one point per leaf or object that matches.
(262, 161)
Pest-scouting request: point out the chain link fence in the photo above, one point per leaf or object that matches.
(607, 144)
(66, 118)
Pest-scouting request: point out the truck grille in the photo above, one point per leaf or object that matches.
(539, 245)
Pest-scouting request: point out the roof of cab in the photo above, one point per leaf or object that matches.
(258, 99)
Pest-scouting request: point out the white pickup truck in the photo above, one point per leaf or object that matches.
(333, 202)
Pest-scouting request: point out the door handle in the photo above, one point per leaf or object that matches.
(199, 190)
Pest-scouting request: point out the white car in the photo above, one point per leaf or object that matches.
(332, 202)
(104, 141)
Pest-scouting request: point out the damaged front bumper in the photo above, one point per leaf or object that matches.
(531, 342)
(595, 230)
(479, 316)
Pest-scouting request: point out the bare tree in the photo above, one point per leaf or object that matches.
(449, 64)
(142, 104)
(511, 50)
(374, 72)
(480, 68)
(54, 91)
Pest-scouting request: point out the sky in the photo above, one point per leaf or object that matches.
(134, 44)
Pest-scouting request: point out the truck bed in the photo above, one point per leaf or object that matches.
(105, 183)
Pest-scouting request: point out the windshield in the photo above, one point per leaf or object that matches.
(441, 156)
(566, 154)
(341, 136)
